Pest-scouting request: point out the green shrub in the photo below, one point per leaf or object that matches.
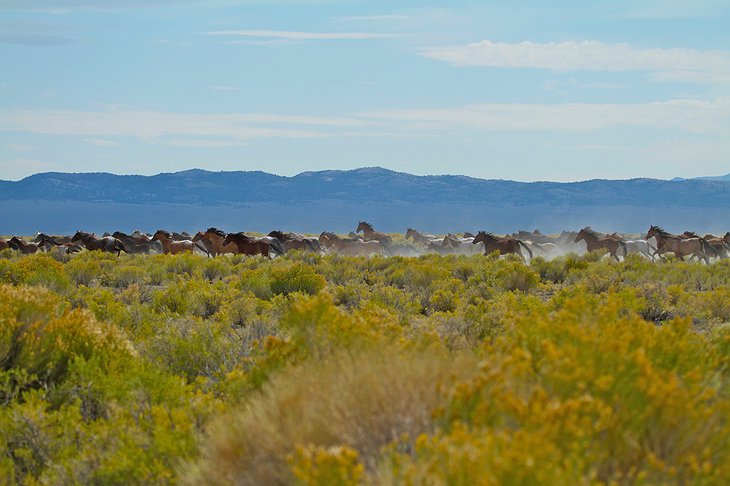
(298, 277)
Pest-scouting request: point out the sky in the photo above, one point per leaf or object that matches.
(522, 90)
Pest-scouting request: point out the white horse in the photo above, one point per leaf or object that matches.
(640, 247)
(546, 250)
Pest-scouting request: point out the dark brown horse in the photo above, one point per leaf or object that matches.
(139, 244)
(23, 246)
(370, 234)
(248, 245)
(57, 239)
(681, 246)
(172, 246)
(502, 245)
(596, 241)
(93, 242)
(4, 244)
(213, 239)
(293, 241)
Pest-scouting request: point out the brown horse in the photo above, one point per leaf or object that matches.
(247, 245)
(23, 246)
(172, 246)
(502, 245)
(57, 239)
(370, 234)
(681, 246)
(716, 244)
(48, 243)
(4, 245)
(349, 246)
(213, 239)
(92, 242)
(293, 241)
(596, 241)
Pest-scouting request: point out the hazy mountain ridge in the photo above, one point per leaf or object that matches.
(335, 200)
(366, 185)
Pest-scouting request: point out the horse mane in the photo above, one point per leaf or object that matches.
(660, 230)
(488, 234)
(691, 234)
(166, 234)
(366, 224)
(216, 231)
(330, 234)
(592, 232)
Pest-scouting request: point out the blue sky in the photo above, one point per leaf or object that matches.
(525, 90)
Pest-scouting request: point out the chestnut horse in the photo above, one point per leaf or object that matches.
(370, 234)
(248, 245)
(595, 241)
(172, 246)
(213, 239)
(502, 245)
(293, 241)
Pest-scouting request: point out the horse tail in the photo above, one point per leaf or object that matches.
(529, 251)
(624, 247)
(275, 245)
(200, 246)
(705, 246)
(119, 246)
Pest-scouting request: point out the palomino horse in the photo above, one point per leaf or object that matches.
(680, 246)
(213, 239)
(370, 234)
(332, 242)
(23, 246)
(502, 245)
(595, 241)
(294, 241)
(169, 245)
(248, 245)
(92, 242)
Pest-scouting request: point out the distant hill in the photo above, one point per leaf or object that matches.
(336, 200)
(725, 177)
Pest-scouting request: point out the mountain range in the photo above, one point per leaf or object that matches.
(336, 200)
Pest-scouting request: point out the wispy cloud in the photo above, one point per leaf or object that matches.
(63, 6)
(150, 125)
(37, 34)
(587, 56)
(298, 35)
(695, 116)
(369, 18)
(101, 142)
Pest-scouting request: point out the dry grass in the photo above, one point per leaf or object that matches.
(364, 402)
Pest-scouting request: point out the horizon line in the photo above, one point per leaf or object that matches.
(385, 169)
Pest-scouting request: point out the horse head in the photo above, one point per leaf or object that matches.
(363, 226)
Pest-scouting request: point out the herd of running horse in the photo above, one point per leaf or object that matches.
(213, 242)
